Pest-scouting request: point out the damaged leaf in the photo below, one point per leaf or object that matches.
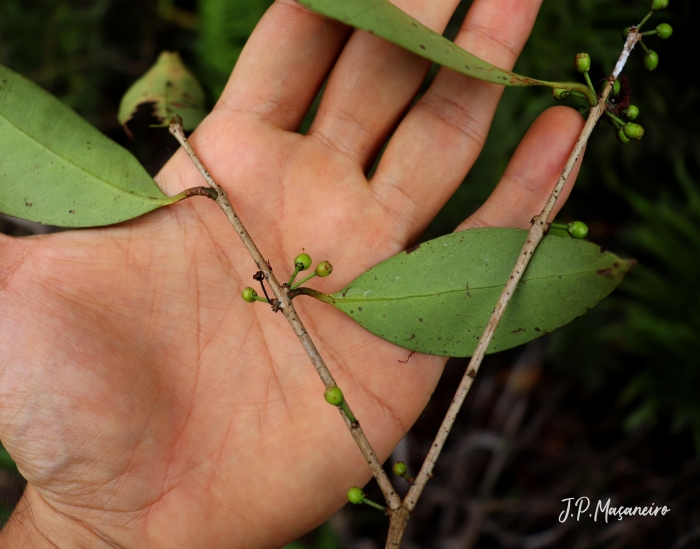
(57, 169)
(168, 88)
(383, 19)
(437, 298)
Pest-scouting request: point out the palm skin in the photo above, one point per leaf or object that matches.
(145, 402)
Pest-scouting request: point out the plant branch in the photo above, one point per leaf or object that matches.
(535, 235)
(283, 302)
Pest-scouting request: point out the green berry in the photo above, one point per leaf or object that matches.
(560, 94)
(324, 268)
(303, 261)
(633, 131)
(632, 112)
(249, 294)
(355, 495)
(621, 137)
(578, 229)
(658, 5)
(334, 395)
(625, 32)
(582, 62)
(664, 31)
(651, 60)
(616, 87)
(400, 469)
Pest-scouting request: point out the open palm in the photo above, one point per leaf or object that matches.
(144, 401)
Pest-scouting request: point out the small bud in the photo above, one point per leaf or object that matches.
(616, 87)
(582, 62)
(249, 294)
(578, 229)
(632, 112)
(625, 32)
(560, 94)
(633, 131)
(621, 137)
(664, 31)
(651, 60)
(400, 469)
(334, 395)
(304, 260)
(355, 495)
(324, 268)
(658, 5)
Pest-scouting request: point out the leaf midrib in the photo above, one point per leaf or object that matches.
(76, 166)
(447, 292)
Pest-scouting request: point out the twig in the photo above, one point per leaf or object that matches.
(537, 232)
(284, 304)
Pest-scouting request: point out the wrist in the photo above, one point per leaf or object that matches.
(36, 524)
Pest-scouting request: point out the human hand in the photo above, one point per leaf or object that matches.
(149, 406)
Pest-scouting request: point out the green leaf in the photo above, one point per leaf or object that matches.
(170, 89)
(56, 168)
(438, 297)
(382, 18)
(6, 462)
(224, 28)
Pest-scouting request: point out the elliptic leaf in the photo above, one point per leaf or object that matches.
(382, 18)
(438, 297)
(170, 89)
(57, 169)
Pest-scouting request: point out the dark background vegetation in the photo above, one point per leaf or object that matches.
(606, 407)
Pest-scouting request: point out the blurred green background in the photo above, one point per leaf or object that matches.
(637, 355)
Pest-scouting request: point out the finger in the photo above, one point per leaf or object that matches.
(371, 86)
(532, 173)
(438, 142)
(283, 64)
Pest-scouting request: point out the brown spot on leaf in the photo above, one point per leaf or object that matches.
(412, 249)
(518, 330)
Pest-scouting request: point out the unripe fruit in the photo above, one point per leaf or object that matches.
(616, 87)
(324, 268)
(333, 395)
(632, 112)
(304, 260)
(621, 137)
(578, 229)
(400, 469)
(651, 60)
(625, 32)
(355, 495)
(664, 31)
(560, 94)
(249, 294)
(633, 131)
(658, 5)
(582, 62)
